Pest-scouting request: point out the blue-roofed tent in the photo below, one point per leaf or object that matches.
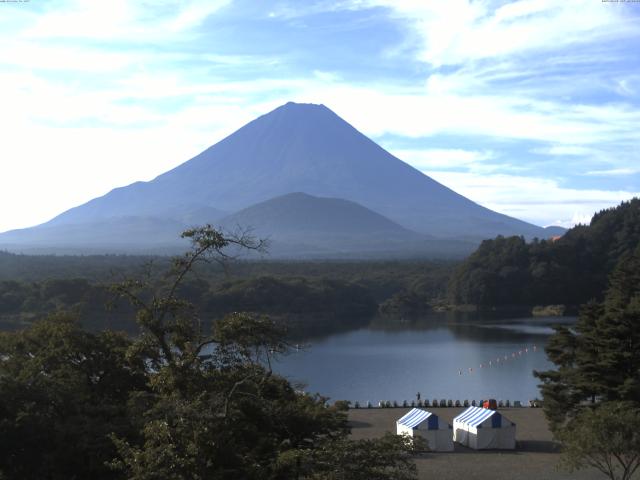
(418, 422)
(482, 428)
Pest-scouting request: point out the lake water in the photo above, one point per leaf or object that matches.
(439, 359)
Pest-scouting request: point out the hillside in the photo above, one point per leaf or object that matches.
(302, 214)
(298, 224)
(571, 270)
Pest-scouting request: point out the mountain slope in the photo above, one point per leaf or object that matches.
(299, 214)
(303, 148)
(295, 148)
(128, 234)
(301, 225)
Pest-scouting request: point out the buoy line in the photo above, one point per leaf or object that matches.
(501, 360)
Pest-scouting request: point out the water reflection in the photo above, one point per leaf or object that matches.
(475, 327)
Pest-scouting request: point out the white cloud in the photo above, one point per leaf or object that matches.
(459, 31)
(77, 19)
(193, 13)
(122, 19)
(296, 9)
(614, 172)
(442, 158)
(513, 75)
(378, 109)
(36, 56)
(576, 219)
(628, 86)
(542, 201)
(564, 150)
(326, 76)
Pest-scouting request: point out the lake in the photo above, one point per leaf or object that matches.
(440, 358)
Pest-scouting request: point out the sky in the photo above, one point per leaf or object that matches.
(530, 108)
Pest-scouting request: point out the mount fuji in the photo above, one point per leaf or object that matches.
(305, 163)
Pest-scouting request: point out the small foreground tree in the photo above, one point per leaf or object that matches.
(606, 438)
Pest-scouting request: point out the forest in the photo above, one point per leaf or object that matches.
(570, 270)
(310, 297)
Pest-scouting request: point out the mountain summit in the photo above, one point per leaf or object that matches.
(294, 148)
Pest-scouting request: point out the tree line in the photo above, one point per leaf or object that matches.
(298, 301)
(310, 296)
(570, 270)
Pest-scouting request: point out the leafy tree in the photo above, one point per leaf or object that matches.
(383, 459)
(63, 392)
(216, 409)
(593, 399)
(606, 438)
(600, 359)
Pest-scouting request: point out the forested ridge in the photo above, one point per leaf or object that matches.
(295, 300)
(570, 270)
(309, 297)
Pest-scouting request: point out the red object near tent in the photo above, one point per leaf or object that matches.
(491, 404)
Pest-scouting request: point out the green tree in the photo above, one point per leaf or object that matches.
(216, 409)
(389, 457)
(226, 415)
(606, 438)
(63, 392)
(599, 360)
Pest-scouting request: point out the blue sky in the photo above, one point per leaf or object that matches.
(530, 108)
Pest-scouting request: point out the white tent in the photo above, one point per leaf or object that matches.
(482, 428)
(427, 425)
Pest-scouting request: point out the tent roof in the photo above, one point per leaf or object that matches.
(414, 417)
(474, 416)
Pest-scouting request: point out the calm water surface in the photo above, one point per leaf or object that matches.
(394, 361)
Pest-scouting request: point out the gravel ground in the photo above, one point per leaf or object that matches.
(536, 456)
